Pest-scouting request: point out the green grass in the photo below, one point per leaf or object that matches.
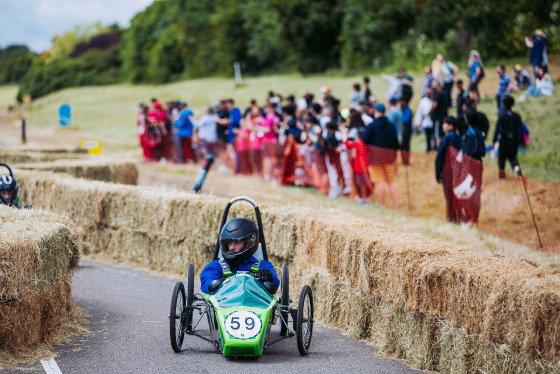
(8, 96)
(108, 113)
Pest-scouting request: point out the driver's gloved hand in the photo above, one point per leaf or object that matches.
(265, 275)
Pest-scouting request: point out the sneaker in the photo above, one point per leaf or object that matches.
(363, 202)
(516, 170)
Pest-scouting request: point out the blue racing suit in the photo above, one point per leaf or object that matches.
(214, 271)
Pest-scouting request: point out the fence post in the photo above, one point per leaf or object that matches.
(23, 137)
(529, 201)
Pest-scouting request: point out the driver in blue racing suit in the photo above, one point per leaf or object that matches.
(9, 189)
(239, 240)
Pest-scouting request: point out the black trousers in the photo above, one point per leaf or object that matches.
(507, 151)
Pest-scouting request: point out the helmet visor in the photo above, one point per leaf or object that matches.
(234, 246)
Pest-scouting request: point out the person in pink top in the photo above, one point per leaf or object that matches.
(270, 139)
(255, 119)
(242, 147)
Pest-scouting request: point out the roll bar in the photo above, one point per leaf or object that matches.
(259, 225)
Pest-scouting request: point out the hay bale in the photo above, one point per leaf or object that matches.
(37, 252)
(15, 156)
(494, 299)
(100, 169)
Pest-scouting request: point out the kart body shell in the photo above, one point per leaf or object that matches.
(243, 296)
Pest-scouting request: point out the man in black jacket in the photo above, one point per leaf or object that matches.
(509, 134)
(381, 138)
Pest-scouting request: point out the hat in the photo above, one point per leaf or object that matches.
(380, 107)
(393, 100)
(326, 89)
(518, 67)
(345, 113)
(140, 103)
(539, 32)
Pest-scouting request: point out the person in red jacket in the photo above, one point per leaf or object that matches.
(142, 129)
(360, 166)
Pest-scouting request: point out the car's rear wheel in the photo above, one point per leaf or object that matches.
(177, 317)
(304, 320)
(285, 300)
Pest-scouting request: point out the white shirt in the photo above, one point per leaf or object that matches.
(422, 117)
(545, 85)
(206, 126)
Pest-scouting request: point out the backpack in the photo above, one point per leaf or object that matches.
(481, 72)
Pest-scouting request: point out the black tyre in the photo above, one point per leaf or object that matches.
(177, 317)
(304, 320)
(190, 298)
(285, 299)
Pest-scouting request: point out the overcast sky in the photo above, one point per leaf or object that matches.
(35, 22)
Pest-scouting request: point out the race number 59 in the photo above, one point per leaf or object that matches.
(243, 324)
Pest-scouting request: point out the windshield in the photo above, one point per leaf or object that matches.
(243, 290)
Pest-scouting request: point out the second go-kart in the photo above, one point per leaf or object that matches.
(241, 310)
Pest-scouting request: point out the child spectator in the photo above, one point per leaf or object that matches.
(332, 142)
(381, 139)
(359, 166)
(543, 85)
(256, 139)
(423, 120)
(270, 139)
(509, 134)
(356, 96)
(185, 125)
(444, 172)
(521, 79)
(460, 100)
(242, 147)
(206, 127)
(406, 131)
(474, 149)
(142, 130)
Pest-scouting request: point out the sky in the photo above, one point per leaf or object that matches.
(35, 22)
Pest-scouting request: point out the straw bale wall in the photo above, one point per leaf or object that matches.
(19, 155)
(37, 253)
(95, 169)
(419, 299)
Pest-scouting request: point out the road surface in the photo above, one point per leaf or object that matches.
(128, 311)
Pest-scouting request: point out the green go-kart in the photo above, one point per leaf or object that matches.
(242, 311)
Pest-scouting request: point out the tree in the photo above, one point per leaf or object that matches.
(15, 61)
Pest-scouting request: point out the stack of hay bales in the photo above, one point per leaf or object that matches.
(38, 251)
(95, 169)
(18, 155)
(439, 307)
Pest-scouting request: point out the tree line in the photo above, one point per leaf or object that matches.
(178, 39)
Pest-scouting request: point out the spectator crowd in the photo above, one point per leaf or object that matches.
(314, 142)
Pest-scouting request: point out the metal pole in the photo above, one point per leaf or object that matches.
(529, 201)
(408, 190)
(23, 137)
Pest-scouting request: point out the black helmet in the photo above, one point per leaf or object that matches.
(8, 188)
(241, 231)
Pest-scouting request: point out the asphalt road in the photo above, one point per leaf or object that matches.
(128, 311)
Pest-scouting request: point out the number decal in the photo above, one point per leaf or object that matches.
(243, 325)
(234, 322)
(249, 323)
